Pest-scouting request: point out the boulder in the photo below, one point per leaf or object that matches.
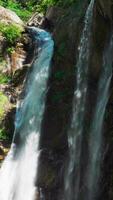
(35, 20)
(7, 16)
(41, 21)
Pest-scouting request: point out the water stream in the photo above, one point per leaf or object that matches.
(95, 141)
(73, 190)
(75, 133)
(18, 172)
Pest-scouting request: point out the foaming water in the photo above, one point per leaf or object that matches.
(16, 178)
(18, 172)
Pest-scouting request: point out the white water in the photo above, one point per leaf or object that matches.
(95, 143)
(76, 130)
(18, 172)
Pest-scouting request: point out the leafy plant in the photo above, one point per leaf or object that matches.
(3, 103)
(23, 12)
(4, 79)
(3, 134)
(10, 32)
(10, 50)
(44, 4)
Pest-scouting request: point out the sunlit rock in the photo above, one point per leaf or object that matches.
(7, 16)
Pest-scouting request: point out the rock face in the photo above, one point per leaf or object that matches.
(14, 65)
(105, 8)
(7, 16)
(68, 25)
(67, 32)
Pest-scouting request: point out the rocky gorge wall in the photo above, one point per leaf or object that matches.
(68, 26)
(66, 30)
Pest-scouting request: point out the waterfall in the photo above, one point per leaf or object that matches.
(18, 172)
(95, 141)
(76, 131)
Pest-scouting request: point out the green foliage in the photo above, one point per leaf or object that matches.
(24, 9)
(10, 50)
(2, 63)
(4, 79)
(17, 8)
(3, 134)
(23, 12)
(11, 32)
(44, 4)
(3, 103)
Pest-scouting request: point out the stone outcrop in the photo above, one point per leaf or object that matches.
(7, 16)
(35, 20)
(18, 55)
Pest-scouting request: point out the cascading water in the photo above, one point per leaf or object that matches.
(17, 175)
(95, 142)
(75, 134)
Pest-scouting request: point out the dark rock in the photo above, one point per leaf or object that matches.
(1, 152)
(67, 33)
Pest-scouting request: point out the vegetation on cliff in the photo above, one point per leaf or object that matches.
(4, 105)
(11, 32)
(25, 9)
(44, 4)
(23, 12)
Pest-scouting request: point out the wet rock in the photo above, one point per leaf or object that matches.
(35, 20)
(67, 32)
(41, 21)
(105, 8)
(49, 169)
(53, 13)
